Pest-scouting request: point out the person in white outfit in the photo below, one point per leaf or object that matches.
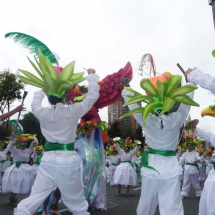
(3, 157)
(19, 177)
(160, 169)
(60, 165)
(125, 173)
(206, 205)
(114, 161)
(210, 160)
(191, 171)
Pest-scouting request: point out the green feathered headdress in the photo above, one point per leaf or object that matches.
(164, 97)
(49, 80)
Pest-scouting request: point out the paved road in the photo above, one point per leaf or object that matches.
(125, 204)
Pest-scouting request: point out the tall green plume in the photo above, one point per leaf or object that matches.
(164, 97)
(32, 44)
(49, 81)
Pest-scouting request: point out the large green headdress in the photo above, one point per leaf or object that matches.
(49, 80)
(164, 97)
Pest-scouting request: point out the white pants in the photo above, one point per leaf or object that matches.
(166, 192)
(202, 172)
(206, 204)
(208, 169)
(188, 180)
(0, 177)
(112, 170)
(57, 169)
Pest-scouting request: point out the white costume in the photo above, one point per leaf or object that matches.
(19, 179)
(202, 169)
(60, 169)
(113, 163)
(191, 173)
(206, 205)
(164, 186)
(125, 173)
(3, 157)
(210, 161)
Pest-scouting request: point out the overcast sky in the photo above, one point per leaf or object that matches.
(104, 35)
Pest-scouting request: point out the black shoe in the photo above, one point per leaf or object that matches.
(118, 193)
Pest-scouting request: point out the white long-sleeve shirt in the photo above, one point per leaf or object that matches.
(19, 154)
(126, 156)
(190, 157)
(58, 123)
(114, 159)
(165, 139)
(3, 154)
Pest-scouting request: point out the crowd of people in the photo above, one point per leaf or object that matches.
(73, 169)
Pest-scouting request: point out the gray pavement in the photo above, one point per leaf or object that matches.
(125, 204)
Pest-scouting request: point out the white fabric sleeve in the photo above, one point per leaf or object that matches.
(184, 110)
(118, 148)
(138, 116)
(134, 151)
(182, 160)
(207, 136)
(12, 149)
(92, 96)
(204, 80)
(36, 104)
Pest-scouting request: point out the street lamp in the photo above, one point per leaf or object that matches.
(212, 3)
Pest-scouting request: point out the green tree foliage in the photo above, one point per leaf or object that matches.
(31, 125)
(10, 90)
(115, 130)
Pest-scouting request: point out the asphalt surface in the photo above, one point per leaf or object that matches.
(125, 204)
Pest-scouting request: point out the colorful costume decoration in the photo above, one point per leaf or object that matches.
(91, 137)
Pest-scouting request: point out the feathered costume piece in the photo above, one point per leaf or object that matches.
(32, 44)
(91, 138)
(161, 94)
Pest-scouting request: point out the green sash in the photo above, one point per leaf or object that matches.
(193, 164)
(213, 165)
(144, 159)
(37, 162)
(133, 164)
(113, 164)
(2, 161)
(17, 164)
(49, 146)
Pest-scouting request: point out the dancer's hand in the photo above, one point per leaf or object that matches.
(20, 108)
(91, 71)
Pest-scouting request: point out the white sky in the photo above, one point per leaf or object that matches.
(104, 35)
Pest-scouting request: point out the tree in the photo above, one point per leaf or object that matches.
(10, 90)
(31, 125)
(114, 130)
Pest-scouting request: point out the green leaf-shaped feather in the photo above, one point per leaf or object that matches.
(146, 85)
(28, 81)
(148, 108)
(136, 99)
(183, 91)
(67, 72)
(35, 67)
(173, 82)
(134, 111)
(76, 76)
(78, 80)
(64, 86)
(133, 91)
(162, 89)
(186, 100)
(31, 77)
(167, 104)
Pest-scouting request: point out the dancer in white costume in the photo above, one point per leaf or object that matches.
(113, 163)
(125, 173)
(160, 169)
(19, 177)
(210, 160)
(206, 205)
(60, 165)
(3, 157)
(191, 172)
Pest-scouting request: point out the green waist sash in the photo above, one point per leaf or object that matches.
(2, 161)
(144, 159)
(38, 161)
(133, 164)
(113, 164)
(17, 164)
(49, 146)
